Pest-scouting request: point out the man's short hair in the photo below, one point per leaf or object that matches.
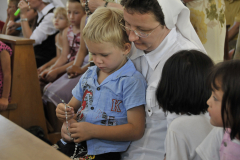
(145, 6)
(104, 26)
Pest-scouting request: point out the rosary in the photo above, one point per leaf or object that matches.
(69, 134)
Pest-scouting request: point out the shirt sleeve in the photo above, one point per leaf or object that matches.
(44, 29)
(176, 147)
(209, 148)
(134, 93)
(77, 91)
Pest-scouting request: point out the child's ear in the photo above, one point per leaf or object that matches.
(127, 48)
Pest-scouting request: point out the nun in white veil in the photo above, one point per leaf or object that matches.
(181, 36)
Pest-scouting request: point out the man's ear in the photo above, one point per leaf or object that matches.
(127, 48)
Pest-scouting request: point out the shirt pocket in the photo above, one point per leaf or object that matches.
(152, 108)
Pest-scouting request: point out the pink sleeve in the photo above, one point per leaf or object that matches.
(3, 46)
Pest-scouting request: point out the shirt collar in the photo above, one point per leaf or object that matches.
(154, 56)
(126, 70)
(45, 10)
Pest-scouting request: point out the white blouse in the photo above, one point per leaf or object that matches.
(45, 28)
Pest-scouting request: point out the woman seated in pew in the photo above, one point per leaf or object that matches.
(60, 22)
(5, 75)
(183, 91)
(44, 32)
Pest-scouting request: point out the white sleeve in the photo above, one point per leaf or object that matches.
(209, 148)
(44, 29)
(176, 148)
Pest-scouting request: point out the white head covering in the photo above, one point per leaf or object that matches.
(177, 15)
(56, 3)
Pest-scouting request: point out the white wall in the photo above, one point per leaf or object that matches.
(3, 9)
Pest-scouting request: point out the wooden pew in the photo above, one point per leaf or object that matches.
(26, 107)
(17, 143)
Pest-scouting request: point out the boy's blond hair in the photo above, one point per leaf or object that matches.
(104, 26)
(62, 11)
(15, 2)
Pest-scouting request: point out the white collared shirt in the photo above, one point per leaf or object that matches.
(151, 145)
(46, 27)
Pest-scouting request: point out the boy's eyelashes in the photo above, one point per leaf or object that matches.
(104, 55)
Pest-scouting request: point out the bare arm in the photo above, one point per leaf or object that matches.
(5, 26)
(76, 69)
(233, 31)
(65, 50)
(6, 69)
(27, 32)
(133, 130)
(53, 60)
(93, 5)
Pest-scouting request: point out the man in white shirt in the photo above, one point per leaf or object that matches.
(44, 32)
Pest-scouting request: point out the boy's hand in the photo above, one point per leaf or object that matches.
(3, 104)
(60, 112)
(81, 131)
(65, 134)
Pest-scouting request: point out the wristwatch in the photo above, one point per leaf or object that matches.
(24, 19)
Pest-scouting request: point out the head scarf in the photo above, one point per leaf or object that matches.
(177, 15)
(56, 3)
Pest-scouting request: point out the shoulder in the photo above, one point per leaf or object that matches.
(90, 72)
(65, 31)
(4, 47)
(56, 37)
(189, 122)
(183, 43)
(132, 76)
(48, 17)
(210, 146)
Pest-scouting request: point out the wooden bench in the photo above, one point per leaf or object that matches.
(17, 143)
(26, 107)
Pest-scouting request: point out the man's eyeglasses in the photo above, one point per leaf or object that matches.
(138, 33)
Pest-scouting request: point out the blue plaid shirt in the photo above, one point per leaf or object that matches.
(107, 104)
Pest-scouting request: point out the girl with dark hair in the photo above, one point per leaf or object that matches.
(224, 110)
(182, 90)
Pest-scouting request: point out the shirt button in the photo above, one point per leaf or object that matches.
(92, 108)
(98, 88)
